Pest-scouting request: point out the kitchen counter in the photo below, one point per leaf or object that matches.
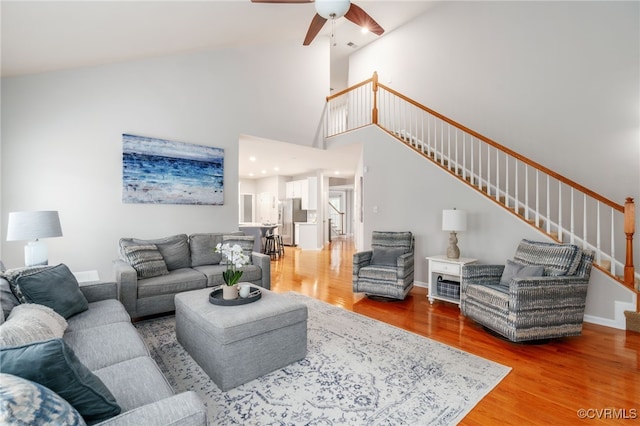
(307, 236)
(258, 230)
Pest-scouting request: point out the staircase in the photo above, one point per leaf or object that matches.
(336, 222)
(564, 210)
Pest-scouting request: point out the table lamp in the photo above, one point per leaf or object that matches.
(454, 221)
(32, 226)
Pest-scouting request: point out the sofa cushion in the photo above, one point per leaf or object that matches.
(28, 403)
(557, 259)
(53, 286)
(178, 280)
(127, 378)
(379, 272)
(214, 273)
(513, 270)
(31, 323)
(54, 365)
(202, 248)
(99, 313)
(146, 260)
(174, 249)
(107, 345)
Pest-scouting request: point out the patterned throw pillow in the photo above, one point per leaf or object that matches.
(244, 241)
(27, 403)
(30, 322)
(12, 276)
(146, 260)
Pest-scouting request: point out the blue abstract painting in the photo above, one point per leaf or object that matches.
(159, 171)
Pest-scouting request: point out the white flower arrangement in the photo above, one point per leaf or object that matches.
(235, 258)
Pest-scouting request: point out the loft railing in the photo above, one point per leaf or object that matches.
(560, 207)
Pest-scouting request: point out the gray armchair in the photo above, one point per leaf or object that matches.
(541, 294)
(387, 269)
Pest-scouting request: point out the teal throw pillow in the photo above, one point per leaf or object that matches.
(386, 256)
(53, 364)
(27, 403)
(513, 270)
(55, 287)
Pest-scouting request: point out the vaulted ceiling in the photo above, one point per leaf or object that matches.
(42, 36)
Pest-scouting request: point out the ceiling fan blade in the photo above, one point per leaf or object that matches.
(362, 18)
(316, 25)
(282, 1)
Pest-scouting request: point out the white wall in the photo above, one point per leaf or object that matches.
(556, 81)
(62, 144)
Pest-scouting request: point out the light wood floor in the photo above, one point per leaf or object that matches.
(548, 385)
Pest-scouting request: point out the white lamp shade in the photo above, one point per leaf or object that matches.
(33, 225)
(454, 220)
(332, 8)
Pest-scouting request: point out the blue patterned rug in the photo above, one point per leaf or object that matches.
(358, 371)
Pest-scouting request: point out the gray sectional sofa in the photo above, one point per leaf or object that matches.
(99, 341)
(191, 264)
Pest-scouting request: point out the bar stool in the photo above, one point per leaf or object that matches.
(273, 246)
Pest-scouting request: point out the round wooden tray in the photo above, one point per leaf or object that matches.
(215, 297)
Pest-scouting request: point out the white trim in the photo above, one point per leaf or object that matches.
(618, 322)
(420, 284)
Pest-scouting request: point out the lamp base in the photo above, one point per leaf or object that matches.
(453, 252)
(35, 253)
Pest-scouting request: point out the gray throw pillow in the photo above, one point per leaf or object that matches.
(52, 286)
(203, 247)
(386, 256)
(8, 300)
(26, 402)
(54, 365)
(146, 260)
(513, 270)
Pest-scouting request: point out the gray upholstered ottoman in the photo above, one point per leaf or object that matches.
(236, 344)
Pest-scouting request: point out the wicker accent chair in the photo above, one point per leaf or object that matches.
(539, 295)
(387, 269)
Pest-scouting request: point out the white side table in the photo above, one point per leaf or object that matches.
(448, 269)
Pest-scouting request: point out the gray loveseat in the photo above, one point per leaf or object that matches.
(191, 264)
(104, 341)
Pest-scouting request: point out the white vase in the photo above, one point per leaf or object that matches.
(229, 292)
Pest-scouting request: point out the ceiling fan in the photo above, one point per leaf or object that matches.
(333, 9)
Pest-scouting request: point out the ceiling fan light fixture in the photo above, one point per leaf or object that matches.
(332, 9)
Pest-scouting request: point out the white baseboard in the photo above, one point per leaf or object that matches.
(420, 284)
(618, 322)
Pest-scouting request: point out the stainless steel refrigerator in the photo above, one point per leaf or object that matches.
(290, 212)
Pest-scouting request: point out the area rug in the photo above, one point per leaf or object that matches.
(358, 371)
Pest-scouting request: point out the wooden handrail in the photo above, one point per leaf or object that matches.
(612, 204)
(349, 89)
(628, 209)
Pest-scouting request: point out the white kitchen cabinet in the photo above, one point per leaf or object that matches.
(306, 189)
(293, 189)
